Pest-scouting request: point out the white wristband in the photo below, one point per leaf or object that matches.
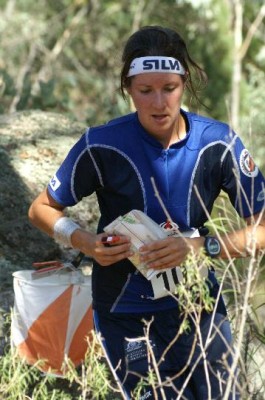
(63, 229)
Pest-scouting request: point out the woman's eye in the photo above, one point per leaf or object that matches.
(145, 91)
(170, 88)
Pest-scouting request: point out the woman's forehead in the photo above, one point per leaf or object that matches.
(156, 78)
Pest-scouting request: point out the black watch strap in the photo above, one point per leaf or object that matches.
(212, 246)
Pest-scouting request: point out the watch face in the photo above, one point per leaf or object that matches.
(212, 246)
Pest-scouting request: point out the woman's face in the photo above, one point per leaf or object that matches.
(157, 99)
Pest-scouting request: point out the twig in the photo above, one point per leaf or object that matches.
(169, 219)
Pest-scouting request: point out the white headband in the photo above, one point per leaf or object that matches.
(145, 65)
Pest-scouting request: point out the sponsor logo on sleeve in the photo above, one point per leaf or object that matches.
(247, 165)
(55, 183)
(261, 195)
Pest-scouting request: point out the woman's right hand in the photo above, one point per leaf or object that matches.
(91, 245)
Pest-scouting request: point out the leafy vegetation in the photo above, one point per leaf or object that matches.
(66, 56)
(20, 381)
(93, 380)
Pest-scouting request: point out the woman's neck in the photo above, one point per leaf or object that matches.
(178, 133)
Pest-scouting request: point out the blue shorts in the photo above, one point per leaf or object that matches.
(183, 369)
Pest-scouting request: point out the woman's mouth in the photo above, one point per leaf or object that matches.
(159, 117)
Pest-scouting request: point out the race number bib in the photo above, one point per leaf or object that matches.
(166, 281)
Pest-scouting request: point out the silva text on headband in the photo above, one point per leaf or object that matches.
(145, 65)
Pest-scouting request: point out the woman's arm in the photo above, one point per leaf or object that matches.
(46, 214)
(170, 252)
(245, 241)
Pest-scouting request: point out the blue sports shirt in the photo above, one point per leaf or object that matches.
(117, 161)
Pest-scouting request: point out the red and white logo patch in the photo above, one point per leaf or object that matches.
(170, 227)
(247, 165)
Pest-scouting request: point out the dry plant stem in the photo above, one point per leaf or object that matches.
(234, 279)
(180, 394)
(196, 320)
(247, 293)
(224, 247)
(150, 351)
(83, 379)
(117, 381)
(160, 201)
(243, 321)
(209, 337)
(203, 350)
(216, 305)
(240, 192)
(228, 221)
(207, 342)
(173, 341)
(251, 273)
(210, 219)
(156, 365)
(185, 368)
(168, 217)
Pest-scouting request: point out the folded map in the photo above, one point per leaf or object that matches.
(142, 230)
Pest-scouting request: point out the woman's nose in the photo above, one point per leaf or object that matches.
(159, 100)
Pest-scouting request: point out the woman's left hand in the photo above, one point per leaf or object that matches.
(169, 252)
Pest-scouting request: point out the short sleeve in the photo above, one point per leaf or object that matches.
(242, 180)
(76, 177)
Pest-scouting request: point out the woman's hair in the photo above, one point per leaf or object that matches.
(159, 41)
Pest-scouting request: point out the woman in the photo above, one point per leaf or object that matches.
(191, 158)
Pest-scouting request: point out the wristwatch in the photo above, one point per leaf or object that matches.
(212, 246)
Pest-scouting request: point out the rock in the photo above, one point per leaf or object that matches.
(32, 146)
